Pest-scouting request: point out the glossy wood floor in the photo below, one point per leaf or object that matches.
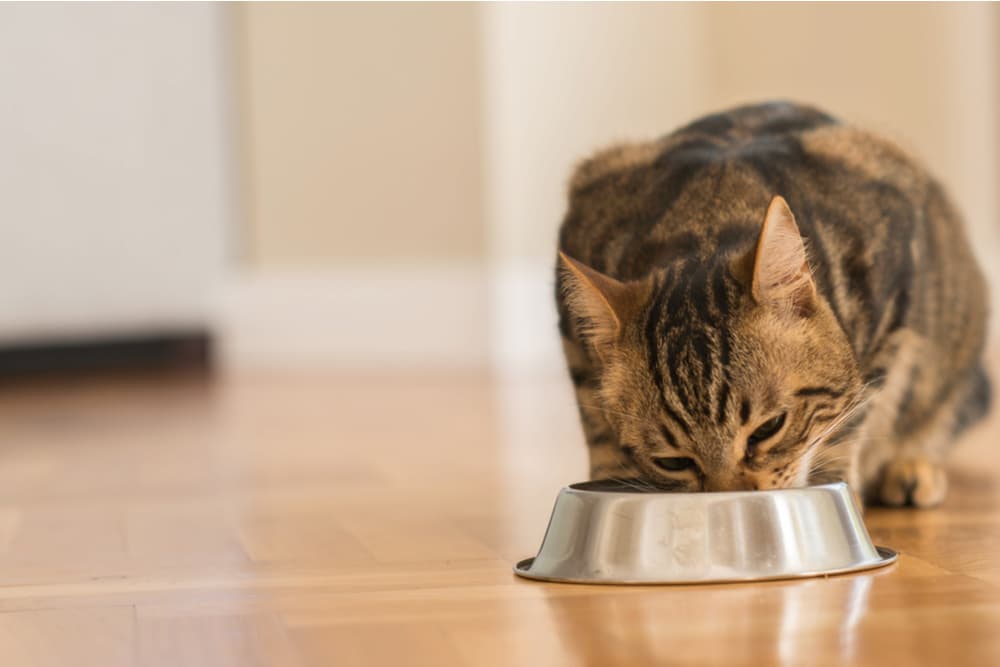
(374, 520)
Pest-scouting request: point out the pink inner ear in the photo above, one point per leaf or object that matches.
(781, 276)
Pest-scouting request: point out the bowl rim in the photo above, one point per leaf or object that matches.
(887, 557)
(578, 488)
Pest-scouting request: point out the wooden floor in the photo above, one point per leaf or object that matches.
(374, 520)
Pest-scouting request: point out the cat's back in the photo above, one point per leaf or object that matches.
(885, 243)
(703, 188)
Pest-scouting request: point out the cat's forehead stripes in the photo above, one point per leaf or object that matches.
(688, 342)
(820, 391)
(668, 435)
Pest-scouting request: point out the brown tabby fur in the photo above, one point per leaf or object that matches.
(695, 306)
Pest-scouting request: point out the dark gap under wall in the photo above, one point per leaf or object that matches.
(189, 350)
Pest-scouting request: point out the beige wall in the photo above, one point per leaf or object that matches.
(565, 80)
(421, 133)
(361, 133)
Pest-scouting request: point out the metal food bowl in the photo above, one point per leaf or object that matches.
(608, 532)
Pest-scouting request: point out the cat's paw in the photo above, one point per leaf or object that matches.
(913, 480)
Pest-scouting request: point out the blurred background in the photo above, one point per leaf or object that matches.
(352, 186)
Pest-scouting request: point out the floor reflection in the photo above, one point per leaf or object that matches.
(803, 605)
(786, 623)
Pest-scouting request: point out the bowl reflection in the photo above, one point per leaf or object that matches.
(786, 623)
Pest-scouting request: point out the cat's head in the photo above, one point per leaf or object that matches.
(723, 373)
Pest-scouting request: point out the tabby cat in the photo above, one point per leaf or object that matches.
(769, 298)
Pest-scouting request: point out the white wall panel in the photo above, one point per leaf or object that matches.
(114, 193)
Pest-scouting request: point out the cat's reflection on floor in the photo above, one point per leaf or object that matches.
(787, 623)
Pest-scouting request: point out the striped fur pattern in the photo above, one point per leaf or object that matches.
(769, 298)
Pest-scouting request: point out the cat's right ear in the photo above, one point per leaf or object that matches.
(781, 274)
(598, 302)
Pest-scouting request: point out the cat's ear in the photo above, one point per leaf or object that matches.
(781, 275)
(601, 303)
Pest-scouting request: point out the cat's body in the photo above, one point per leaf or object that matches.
(709, 354)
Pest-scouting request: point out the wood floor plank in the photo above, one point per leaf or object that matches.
(59, 637)
(370, 520)
(167, 639)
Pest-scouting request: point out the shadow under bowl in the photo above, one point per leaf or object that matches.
(608, 532)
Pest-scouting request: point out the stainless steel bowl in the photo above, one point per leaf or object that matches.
(607, 532)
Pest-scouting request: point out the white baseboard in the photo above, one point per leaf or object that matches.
(368, 318)
(525, 331)
(445, 317)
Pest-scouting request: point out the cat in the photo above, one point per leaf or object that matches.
(770, 298)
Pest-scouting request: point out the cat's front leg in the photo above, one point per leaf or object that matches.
(915, 426)
(916, 479)
(916, 471)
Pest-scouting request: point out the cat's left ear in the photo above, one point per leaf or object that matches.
(781, 275)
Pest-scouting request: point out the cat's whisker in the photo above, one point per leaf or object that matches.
(601, 408)
(632, 483)
(852, 409)
(830, 457)
(644, 484)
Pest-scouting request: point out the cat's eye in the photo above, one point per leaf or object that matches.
(676, 463)
(766, 430)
